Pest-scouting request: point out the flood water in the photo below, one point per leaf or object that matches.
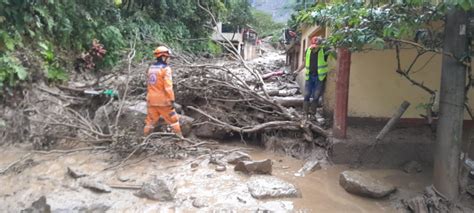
(222, 191)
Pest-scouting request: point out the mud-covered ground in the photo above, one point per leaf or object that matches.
(46, 174)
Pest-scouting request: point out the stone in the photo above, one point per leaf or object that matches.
(75, 173)
(95, 185)
(210, 131)
(123, 178)
(262, 187)
(236, 157)
(159, 189)
(362, 184)
(200, 203)
(39, 206)
(220, 168)
(186, 124)
(194, 165)
(309, 166)
(94, 208)
(255, 167)
(412, 167)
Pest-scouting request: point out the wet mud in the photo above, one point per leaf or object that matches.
(201, 186)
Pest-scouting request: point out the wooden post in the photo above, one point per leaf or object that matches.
(451, 109)
(342, 93)
(395, 118)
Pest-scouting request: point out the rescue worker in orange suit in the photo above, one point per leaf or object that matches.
(160, 96)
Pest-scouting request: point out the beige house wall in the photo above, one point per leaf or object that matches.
(376, 90)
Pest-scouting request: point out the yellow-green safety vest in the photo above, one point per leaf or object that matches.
(322, 64)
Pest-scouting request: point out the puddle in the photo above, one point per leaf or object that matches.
(219, 190)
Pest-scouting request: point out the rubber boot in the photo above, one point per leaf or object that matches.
(305, 113)
(313, 108)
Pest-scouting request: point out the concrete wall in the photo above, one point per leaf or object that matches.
(376, 90)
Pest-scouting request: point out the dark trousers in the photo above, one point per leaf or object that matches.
(314, 88)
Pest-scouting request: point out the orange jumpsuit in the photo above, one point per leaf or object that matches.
(160, 98)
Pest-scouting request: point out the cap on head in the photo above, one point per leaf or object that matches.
(316, 40)
(161, 51)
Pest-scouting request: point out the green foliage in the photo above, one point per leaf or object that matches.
(214, 48)
(264, 24)
(54, 72)
(71, 26)
(11, 71)
(359, 23)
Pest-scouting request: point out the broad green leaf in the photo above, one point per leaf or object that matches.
(21, 72)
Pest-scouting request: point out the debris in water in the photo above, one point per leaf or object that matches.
(262, 187)
(254, 167)
(309, 166)
(362, 184)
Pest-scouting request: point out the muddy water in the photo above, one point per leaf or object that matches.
(219, 190)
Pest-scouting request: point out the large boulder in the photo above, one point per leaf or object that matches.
(362, 184)
(159, 189)
(261, 187)
(210, 131)
(254, 167)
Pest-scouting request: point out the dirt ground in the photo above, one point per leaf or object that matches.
(46, 174)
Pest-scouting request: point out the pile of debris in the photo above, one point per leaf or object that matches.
(219, 100)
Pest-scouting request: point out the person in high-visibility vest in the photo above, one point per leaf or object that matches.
(160, 96)
(316, 69)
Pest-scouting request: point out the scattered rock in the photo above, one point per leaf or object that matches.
(39, 206)
(362, 184)
(93, 208)
(160, 189)
(308, 167)
(236, 157)
(220, 168)
(200, 203)
(254, 167)
(95, 185)
(75, 173)
(412, 167)
(123, 178)
(194, 165)
(262, 187)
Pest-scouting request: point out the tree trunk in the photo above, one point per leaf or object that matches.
(450, 124)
